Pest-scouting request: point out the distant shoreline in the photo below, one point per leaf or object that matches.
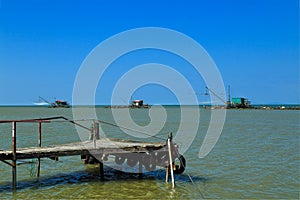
(256, 106)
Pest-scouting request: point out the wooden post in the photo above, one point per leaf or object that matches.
(101, 170)
(40, 144)
(40, 134)
(171, 160)
(14, 154)
(96, 130)
(93, 134)
(167, 173)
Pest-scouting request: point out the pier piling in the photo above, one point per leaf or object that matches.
(14, 155)
(101, 170)
(39, 144)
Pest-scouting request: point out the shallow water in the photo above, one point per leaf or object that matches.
(257, 156)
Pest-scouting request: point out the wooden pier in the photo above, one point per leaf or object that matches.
(102, 146)
(147, 154)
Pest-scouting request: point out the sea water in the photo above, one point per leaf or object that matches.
(256, 156)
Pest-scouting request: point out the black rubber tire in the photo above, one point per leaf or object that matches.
(149, 162)
(119, 160)
(180, 168)
(132, 161)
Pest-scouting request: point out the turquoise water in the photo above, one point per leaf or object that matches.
(257, 156)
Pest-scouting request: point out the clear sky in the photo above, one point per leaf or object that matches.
(254, 43)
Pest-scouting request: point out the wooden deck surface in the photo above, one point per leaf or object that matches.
(102, 146)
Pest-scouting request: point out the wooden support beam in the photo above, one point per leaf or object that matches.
(167, 173)
(96, 130)
(8, 163)
(40, 144)
(14, 155)
(101, 168)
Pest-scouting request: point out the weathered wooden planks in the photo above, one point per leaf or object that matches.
(102, 146)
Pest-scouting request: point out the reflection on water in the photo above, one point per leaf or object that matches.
(257, 156)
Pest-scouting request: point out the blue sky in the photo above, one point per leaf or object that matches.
(255, 45)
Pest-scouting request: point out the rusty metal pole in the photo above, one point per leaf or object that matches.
(14, 155)
(40, 144)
